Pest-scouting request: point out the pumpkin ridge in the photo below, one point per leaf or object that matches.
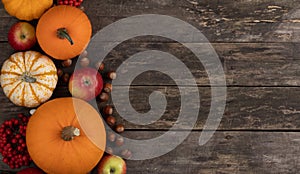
(11, 73)
(24, 61)
(11, 4)
(31, 15)
(39, 83)
(34, 94)
(77, 149)
(23, 95)
(40, 66)
(16, 63)
(33, 62)
(76, 20)
(37, 10)
(7, 84)
(73, 122)
(46, 73)
(13, 90)
(20, 10)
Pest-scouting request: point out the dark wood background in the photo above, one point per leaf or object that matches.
(257, 42)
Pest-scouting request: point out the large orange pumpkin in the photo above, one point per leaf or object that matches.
(66, 135)
(63, 32)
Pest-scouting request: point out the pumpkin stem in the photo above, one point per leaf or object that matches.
(27, 78)
(62, 33)
(68, 133)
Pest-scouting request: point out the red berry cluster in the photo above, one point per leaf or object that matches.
(12, 142)
(75, 3)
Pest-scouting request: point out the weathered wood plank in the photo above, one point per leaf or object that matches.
(226, 153)
(6, 21)
(245, 64)
(220, 21)
(246, 108)
(5, 25)
(255, 108)
(248, 64)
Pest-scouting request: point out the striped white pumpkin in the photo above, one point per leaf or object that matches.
(28, 78)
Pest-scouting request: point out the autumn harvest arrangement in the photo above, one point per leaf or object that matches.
(60, 135)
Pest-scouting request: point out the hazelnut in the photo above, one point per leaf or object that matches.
(108, 110)
(112, 137)
(107, 87)
(59, 72)
(84, 53)
(119, 141)
(119, 128)
(109, 150)
(84, 62)
(110, 120)
(100, 66)
(67, 63)
(112, 75)
(126, 153)
(104, 96)
(66, 77)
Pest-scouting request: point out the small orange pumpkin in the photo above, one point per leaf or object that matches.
(63, 32)
(26, 9)
(66, 135)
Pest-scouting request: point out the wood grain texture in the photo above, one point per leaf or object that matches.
(248, 64)
(255, 108)
(257, 43)
(246, 108)
(245, 65)
(265, 108)
(6, 21)
(226, 153)
(220, 21)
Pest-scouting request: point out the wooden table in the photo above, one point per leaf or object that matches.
(257, 43)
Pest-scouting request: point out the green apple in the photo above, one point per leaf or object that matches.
(111, 164)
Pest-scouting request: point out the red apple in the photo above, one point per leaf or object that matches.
(31, 170)
(21, 36)
(85, 83)
(111, 164)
